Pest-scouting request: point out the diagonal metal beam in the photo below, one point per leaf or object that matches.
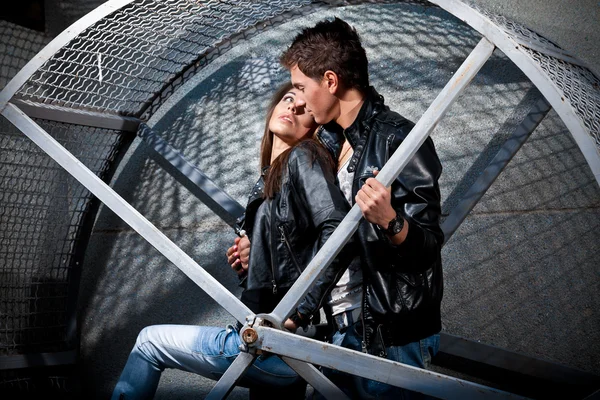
(190, 176)
(125, 211)
(233, 374)
(316, 379)
(459, 81)
(496, 166)
(371, 367)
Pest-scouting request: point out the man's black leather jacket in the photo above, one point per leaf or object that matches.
(299, 219)
(402, 284)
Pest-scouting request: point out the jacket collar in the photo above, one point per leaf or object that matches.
(332, 135)
(371, 107)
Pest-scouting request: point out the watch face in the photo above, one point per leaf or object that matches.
(394, 227)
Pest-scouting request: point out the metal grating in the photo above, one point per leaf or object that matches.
(516, 30)
(42, 210)
(122, 62)
(577, 83)
(17, 47)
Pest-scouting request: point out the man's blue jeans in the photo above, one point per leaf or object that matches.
(416, 354)
(207, 351)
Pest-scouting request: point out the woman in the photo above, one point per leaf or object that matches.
(292, 210)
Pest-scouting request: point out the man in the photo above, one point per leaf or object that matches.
(400, 237)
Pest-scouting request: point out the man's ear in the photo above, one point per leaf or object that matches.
(332, 81)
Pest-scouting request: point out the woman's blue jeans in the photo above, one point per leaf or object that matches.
(207, 351)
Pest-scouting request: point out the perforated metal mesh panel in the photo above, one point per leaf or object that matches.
(42, 212)
(578, 84)
(121, 63)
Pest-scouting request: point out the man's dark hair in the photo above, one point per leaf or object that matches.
(330, 45)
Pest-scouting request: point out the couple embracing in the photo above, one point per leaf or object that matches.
(327, 133)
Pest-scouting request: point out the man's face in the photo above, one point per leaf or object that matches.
(318, 99)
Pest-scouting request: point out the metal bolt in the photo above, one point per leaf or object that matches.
(249, 336)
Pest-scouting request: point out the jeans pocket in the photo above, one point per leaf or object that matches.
(429, 348)
(213, 341)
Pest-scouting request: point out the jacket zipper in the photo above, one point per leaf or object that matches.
(289, 247)
(388, 145)
(362, 316)
(273, 244)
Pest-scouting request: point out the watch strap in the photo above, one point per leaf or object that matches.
(394, 226)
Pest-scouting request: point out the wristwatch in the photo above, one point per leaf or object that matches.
(394, 226)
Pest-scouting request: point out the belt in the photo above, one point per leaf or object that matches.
(347, 318)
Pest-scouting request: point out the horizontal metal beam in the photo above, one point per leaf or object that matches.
(407, 149)
(190, 176)
(38, 360)
(514, 362)
(493, 170)
(376, 368)
(125, 211)
(78, 117)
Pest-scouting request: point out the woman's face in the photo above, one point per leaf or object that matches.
(289, 122)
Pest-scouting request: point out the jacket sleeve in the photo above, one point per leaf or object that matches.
(323, 203)
(416, 196)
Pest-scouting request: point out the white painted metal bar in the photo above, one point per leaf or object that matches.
(233, 374)
(376, 368)
(316, 379)
(125, 211)
(55, 45)
(459, 81)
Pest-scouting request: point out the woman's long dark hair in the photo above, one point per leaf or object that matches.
(274, 174)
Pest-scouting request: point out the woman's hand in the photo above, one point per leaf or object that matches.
(239, 254)
(290, 325)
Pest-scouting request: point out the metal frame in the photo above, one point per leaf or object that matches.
(55, 45)
(553, 94)
(271, 339)
(124, 210)
(372, 367)
(407, 149)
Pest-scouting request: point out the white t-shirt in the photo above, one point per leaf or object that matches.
(347, 293)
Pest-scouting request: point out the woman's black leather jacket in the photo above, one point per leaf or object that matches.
(402, 284)
(286, 231)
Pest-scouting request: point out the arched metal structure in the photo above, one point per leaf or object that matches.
(84, 95)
